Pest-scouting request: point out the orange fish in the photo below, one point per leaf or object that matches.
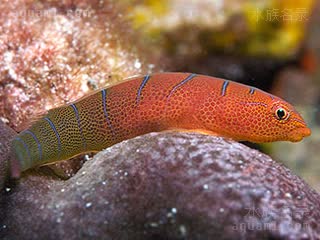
(154, 103)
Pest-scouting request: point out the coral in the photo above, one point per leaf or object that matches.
(53, 52)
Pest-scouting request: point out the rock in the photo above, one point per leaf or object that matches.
(165, 186)
(6, 135)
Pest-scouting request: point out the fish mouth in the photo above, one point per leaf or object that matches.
(299, 133)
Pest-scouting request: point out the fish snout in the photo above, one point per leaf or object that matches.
(299, 133)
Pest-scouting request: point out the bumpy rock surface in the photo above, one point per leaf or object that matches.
(165, 186)
(6, 134)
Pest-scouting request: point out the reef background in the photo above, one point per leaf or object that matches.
(172, 185)
(53, 52)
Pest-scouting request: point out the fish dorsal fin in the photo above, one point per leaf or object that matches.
(40, 114)
(27, 123)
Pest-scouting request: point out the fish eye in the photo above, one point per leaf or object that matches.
(282, 114)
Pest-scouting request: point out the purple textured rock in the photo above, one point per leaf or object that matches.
(6, 135)
(166, 186)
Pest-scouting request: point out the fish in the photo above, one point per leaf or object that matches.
(168, 101)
